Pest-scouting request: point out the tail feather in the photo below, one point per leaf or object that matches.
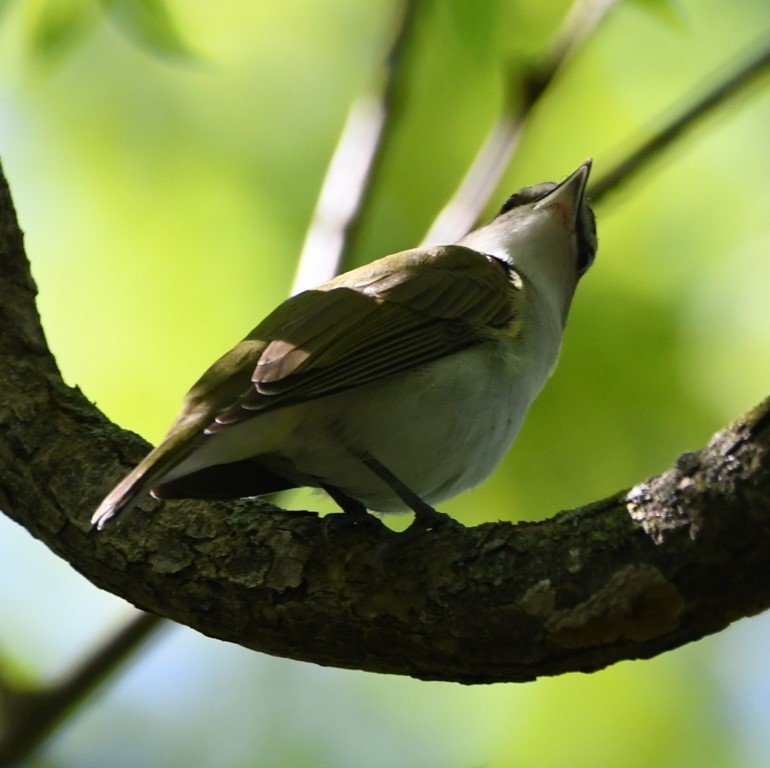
(123, 497)
(175, 447)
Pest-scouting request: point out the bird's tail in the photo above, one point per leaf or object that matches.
(175, 447)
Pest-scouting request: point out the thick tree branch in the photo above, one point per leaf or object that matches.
(679, 556)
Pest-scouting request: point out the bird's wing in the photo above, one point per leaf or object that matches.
(373, 322)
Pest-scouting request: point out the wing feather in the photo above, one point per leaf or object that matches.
(373, 322)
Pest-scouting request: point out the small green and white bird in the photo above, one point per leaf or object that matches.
(394, 386)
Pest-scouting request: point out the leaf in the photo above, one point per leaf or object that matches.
(54, 27)
(149, 23)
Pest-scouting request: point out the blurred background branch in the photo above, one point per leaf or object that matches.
(523, 91)
(350, 180)
(29, 715)
(729, 82)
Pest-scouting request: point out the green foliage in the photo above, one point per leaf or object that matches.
(149, 23)
(55, 27)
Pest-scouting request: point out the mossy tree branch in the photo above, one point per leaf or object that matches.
(678, 557)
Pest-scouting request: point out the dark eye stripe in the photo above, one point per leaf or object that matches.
(586, 240)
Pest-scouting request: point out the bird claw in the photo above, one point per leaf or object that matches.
(429, 520)
(334, 523)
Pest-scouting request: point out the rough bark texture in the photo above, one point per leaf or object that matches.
(677, 557)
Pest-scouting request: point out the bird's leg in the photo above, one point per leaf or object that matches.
(426, 518)
(353, 511)
(349, 505)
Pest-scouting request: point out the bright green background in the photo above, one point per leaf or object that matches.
(164, 198)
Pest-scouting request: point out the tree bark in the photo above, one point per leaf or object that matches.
(675, 558)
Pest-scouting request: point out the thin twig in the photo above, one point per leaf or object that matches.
(725, 90)
(30, 716)
(350, 178)
(462, 212)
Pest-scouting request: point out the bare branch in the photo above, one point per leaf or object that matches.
(30, 715)
(462, 212)
(350, 178)
(726, 89)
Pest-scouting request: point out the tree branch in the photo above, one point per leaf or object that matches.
(678, 557)
(726, 88)
(524, 91)
(30, 715)
(350, 179)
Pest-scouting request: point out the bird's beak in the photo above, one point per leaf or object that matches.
(568, 196)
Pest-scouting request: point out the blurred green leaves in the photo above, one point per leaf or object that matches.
(150, 24)
(54, 28)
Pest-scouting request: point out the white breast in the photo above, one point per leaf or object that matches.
(441, 429)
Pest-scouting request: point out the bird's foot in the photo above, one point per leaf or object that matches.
(353, 515)
(425, 521)
(338, 522)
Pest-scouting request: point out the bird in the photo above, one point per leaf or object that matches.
(392, 387)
